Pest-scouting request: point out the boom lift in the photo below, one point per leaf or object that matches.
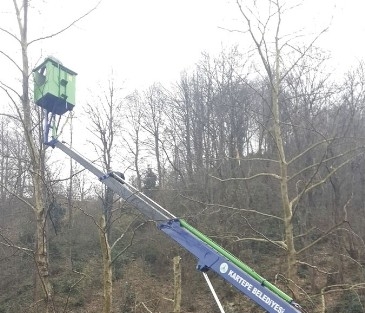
(54, 91)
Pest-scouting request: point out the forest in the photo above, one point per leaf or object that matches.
(262, 152)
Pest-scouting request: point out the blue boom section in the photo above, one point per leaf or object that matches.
(209, 258)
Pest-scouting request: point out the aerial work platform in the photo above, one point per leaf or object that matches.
(54, 86)
(54, 91)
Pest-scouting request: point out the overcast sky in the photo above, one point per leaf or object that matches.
(144, 41)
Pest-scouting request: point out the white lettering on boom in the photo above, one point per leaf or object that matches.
(258, 293)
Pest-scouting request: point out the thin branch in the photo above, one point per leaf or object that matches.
(72, 287)
(329, 231)
(11, 60)
(304, 53)
(67, 27)
(17, 196)
(233, 208)
(123, 234)
(10, 34)
(6, 88)
(75, 174)
(8, 243)
(10, 116)
(315, 145)
(322, 181)
(129, 244)
(257, 43)
(279, 244)
(92, 218)
(148, 310)
(339, 288)
(316, 268)
(247, 178)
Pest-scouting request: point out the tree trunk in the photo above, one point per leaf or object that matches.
(41, 255)
(69, 208)
(177, 284)
(107, 269)
(108, 209)
(287, 207)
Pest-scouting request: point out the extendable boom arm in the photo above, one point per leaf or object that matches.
(209, 254)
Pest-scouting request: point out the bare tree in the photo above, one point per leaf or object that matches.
(133, 138)
(106, 121)
(271, 49)
(36, 154)
(153, 120)
(31, 126)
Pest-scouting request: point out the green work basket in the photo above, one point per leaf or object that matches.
(54, 86)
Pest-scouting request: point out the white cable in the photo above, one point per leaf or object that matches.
(213, 292)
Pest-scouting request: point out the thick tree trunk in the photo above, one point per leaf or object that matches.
(41, 256)
(287, 207)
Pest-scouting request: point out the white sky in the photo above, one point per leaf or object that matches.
(146, 41)
(154, 40)
(141, 41)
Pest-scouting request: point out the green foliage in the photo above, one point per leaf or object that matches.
(4, 308)
(127, 304)
(27, 236)
(78, 302)
(150, 255)
(56, 215)
(55, 250)
(349, 302)
(22, 296)
(303, 271)
(118, 265)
